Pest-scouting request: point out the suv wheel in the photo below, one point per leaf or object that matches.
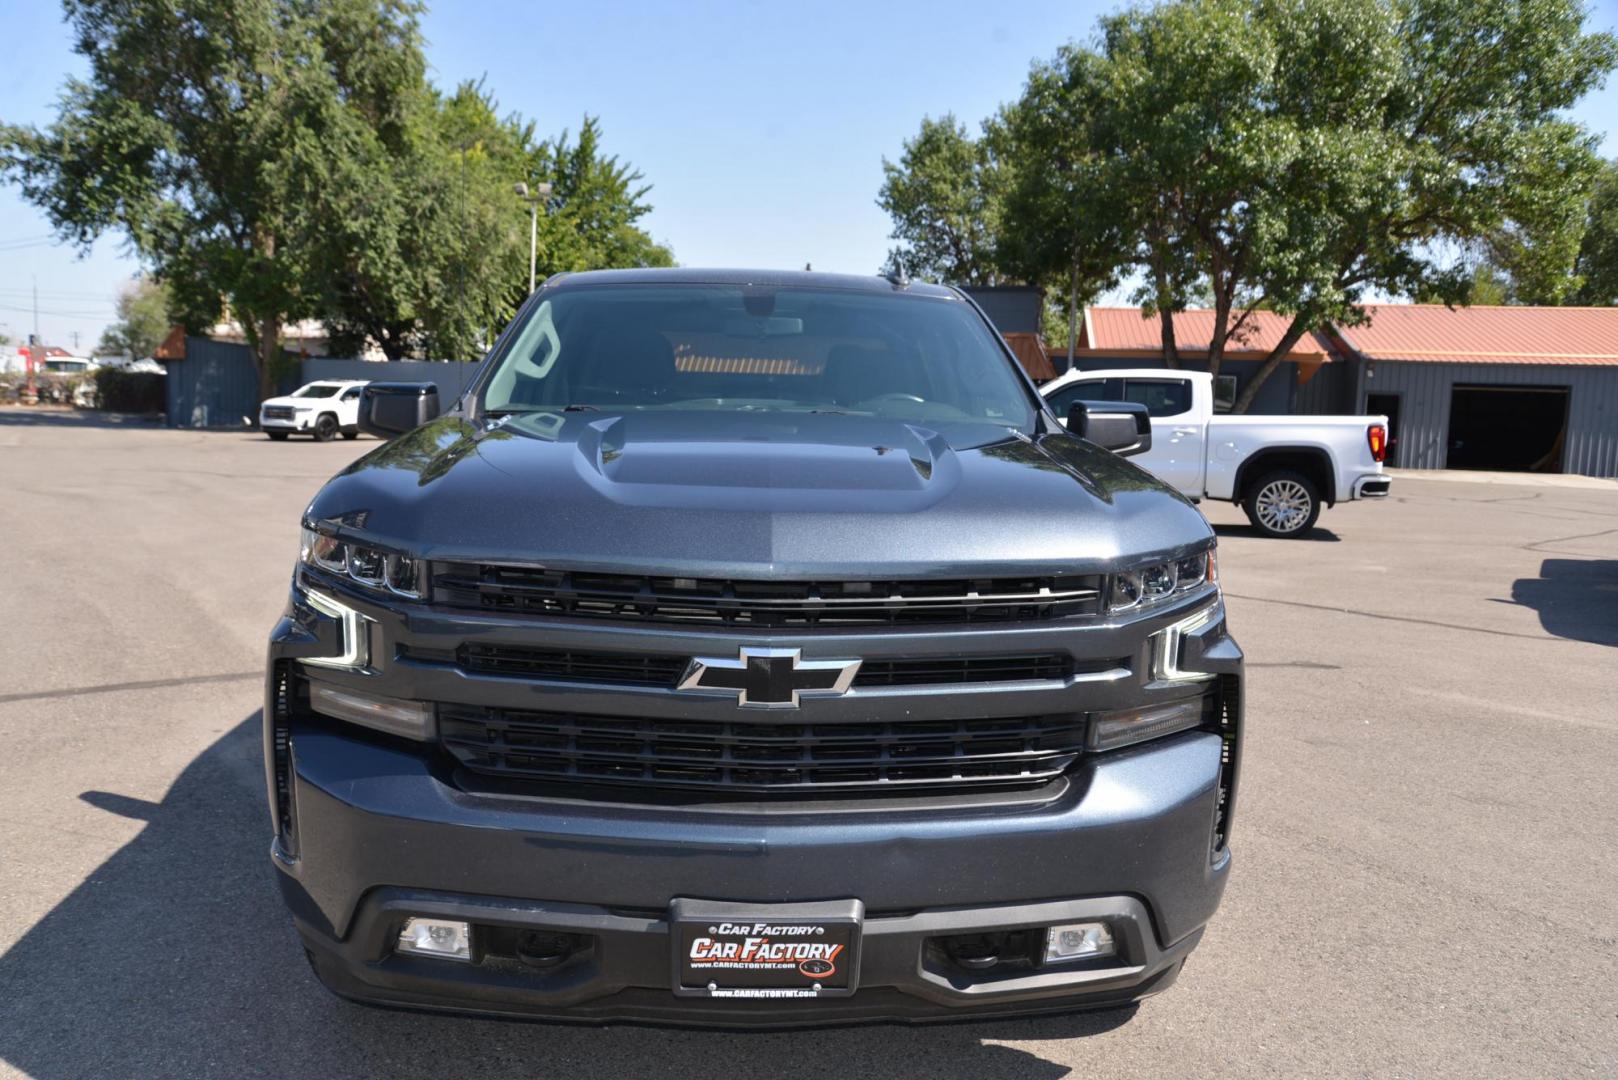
(325, 427)
(1283, 504)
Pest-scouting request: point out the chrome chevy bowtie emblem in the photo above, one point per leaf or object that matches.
(769, 678)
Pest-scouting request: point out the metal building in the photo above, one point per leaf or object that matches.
(1510, 388)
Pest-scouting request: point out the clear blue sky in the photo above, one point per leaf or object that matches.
(761, 125)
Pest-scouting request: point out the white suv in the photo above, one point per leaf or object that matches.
(321, 409)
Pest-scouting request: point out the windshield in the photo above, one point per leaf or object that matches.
(316, 390)
(743, 348)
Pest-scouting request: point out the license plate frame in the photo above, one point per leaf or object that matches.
(765, 951)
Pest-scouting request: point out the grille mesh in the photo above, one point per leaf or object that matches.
(538, 591)
(641, 669)
(761, 757)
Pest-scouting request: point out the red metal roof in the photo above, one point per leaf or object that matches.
(1433, 333)
(1122, 330)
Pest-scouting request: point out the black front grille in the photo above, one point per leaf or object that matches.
(278, 412)
(761, 757)
(637, 669)
(730, 602)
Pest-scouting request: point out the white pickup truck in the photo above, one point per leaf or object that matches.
(1280, 469)
(322, 409)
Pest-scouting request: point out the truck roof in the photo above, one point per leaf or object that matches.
(804, 279)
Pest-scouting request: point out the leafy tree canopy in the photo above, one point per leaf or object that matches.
(288, 159)
(1281, 155)
(143, 320)
(944, 196)
(1598, 252)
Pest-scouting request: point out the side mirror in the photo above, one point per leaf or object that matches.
(1123, 427)
(393, 408)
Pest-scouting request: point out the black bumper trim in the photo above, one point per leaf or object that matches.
(627, 976)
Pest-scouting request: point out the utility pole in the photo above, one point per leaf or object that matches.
(75, 343)
(36, 349)
(540, 193)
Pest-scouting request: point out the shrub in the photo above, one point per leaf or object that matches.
(129, 391)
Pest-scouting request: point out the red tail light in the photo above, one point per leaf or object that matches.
(1377, 437)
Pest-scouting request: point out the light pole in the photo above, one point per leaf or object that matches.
(540, 193)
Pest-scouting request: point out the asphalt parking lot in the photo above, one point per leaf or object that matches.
(1426, 861)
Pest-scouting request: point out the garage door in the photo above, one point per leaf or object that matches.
(1511, 428)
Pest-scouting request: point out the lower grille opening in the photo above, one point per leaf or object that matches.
(747, 757)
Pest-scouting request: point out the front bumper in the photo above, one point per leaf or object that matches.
(376, 830)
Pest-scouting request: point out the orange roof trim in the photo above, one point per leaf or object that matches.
(1124, 332)
(1435, 334)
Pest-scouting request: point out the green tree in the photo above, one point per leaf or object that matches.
(425, 250)
(1062, 223)
(143, 320)
(204, 132)
(1291, 155)
(944, 197)
(1598, 252)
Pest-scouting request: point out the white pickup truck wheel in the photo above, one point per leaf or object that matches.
(1283, 504)
(325, 427)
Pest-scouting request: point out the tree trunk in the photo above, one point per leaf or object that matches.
(1072, 315)
(1171, 352)
(1295, 332)
(269, 344)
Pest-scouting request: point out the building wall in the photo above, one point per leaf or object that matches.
(1592, 435)
(1274, 397)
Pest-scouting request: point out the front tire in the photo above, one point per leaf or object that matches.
(325, 428)
(1283, 505)
(351, 433)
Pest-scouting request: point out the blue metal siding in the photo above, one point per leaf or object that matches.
(215, 385)
(1592, 427)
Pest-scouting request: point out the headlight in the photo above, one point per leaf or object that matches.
(371, 567)
(1161, 581)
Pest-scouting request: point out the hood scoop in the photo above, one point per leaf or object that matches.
(769, 458)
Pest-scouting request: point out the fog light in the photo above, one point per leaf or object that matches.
(411, 719)
(1078, 941)
(443, 938)
(1110, 730)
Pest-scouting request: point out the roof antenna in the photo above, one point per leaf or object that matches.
(897, 275)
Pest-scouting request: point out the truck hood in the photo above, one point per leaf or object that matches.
(752, 494)
(296, 402)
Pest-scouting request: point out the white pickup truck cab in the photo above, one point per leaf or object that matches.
(322, 409)
(1280, 469)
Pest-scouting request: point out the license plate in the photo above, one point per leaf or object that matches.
(765, 950)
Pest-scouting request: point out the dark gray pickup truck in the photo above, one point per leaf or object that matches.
(750, 649)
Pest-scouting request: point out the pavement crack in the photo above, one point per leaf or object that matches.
(113, 688)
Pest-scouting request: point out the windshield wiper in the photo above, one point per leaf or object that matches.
(581, 408)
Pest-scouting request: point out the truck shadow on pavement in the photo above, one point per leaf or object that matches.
(1575, 599)
(1314, 535)
(175, 958)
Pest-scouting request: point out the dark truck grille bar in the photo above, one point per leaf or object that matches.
(639, 669)
(279, 412)
(761, 757)
(538, 591)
